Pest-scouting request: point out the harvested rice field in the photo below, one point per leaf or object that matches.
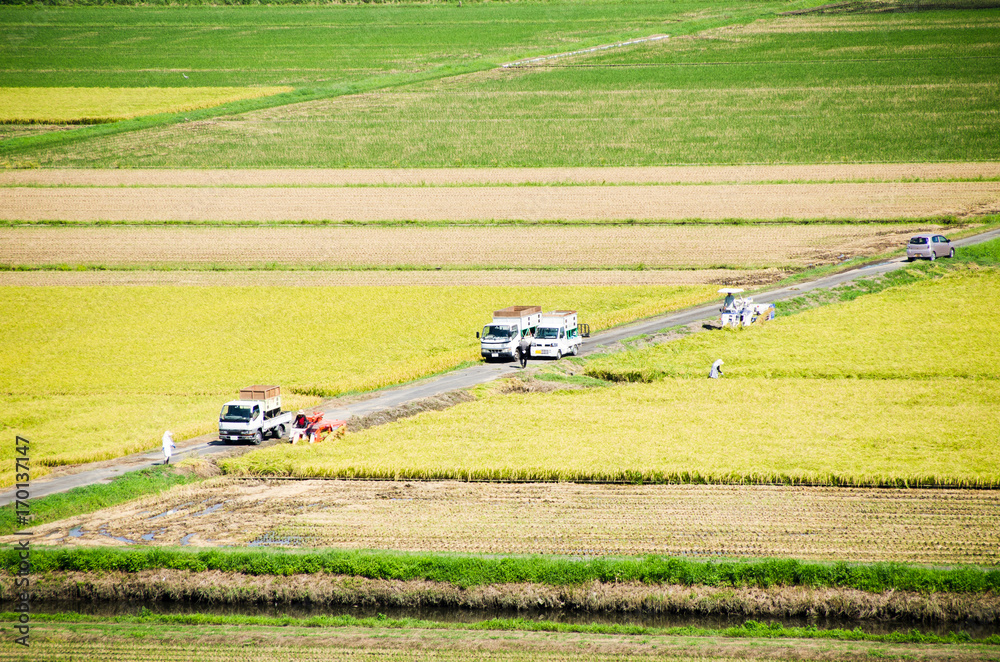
(808, 523)
(741, 174)
(890, 201)
(739, 247)
(444, 278)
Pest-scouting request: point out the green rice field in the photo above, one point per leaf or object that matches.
(893, 87)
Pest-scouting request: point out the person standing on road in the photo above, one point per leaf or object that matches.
(523, 349)
(716, 370)
(168, 446)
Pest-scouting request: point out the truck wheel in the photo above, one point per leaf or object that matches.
(576, 350)
(257, 438)
(279, 432)
(558, 354)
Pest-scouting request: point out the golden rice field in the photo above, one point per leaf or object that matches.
(90, 105)
(92, 373)
(920, 408)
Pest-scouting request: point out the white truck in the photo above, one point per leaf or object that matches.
(501, 336)
(255, 416)
(557, 335)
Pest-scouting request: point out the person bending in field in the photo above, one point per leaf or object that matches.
(716, 370)
(523, 348)
(168, 446)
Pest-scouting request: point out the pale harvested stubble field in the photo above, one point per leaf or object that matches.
(843, 524)
(444, 278)
(742, 174)
(665, 246)
(867, 201)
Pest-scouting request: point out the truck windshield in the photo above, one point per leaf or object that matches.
(235, 414)
(547, 333)
(495, 332)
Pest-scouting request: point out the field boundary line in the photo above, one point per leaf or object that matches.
(593, 49)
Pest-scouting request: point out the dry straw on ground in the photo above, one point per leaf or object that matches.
(844, 524)
(869, 201)
(608, 247)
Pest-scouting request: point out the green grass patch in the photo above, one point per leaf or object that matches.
(467, 571)
(90, 498)
(892, 87)
(135, 627)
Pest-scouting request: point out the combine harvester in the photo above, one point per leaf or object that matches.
(742, 311)
(315, 428)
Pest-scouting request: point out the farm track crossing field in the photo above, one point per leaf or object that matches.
(92, 373)
(531, 247)
(867, 201)
(939, 527)
(829, 396)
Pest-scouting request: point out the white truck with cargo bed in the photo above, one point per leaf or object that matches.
(255, 416)
(500, 337)
(557, 335)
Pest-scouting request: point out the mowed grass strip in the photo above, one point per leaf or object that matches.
(923, 416)
(91, 373)
(96, 105)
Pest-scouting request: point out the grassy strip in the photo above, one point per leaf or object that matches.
(90, 498)
(61, 138)
(749, 630)
(467, 571)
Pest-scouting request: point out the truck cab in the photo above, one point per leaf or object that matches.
(500, 338)
(558, 335)
(256, 415)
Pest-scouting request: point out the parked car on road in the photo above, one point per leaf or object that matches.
(929, 246)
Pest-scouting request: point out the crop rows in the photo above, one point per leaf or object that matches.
(566, 247)
(92, 105)
(146, 359)
(893, 88)
(862, 525)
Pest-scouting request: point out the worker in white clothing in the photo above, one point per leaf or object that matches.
(168, 446)
(716, 370)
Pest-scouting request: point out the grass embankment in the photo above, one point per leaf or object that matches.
(89, 498)
(896, 388)
(93, 386)
(470, 571)
(904, 87)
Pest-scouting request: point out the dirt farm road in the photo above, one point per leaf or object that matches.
(460, 379)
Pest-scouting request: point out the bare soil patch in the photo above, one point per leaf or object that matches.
(750, 174)
(866, 201)
(743, 247)
(445, 278)
(834, 524)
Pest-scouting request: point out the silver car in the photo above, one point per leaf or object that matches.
(930, 246)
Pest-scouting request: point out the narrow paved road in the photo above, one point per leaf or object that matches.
(209, 445)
